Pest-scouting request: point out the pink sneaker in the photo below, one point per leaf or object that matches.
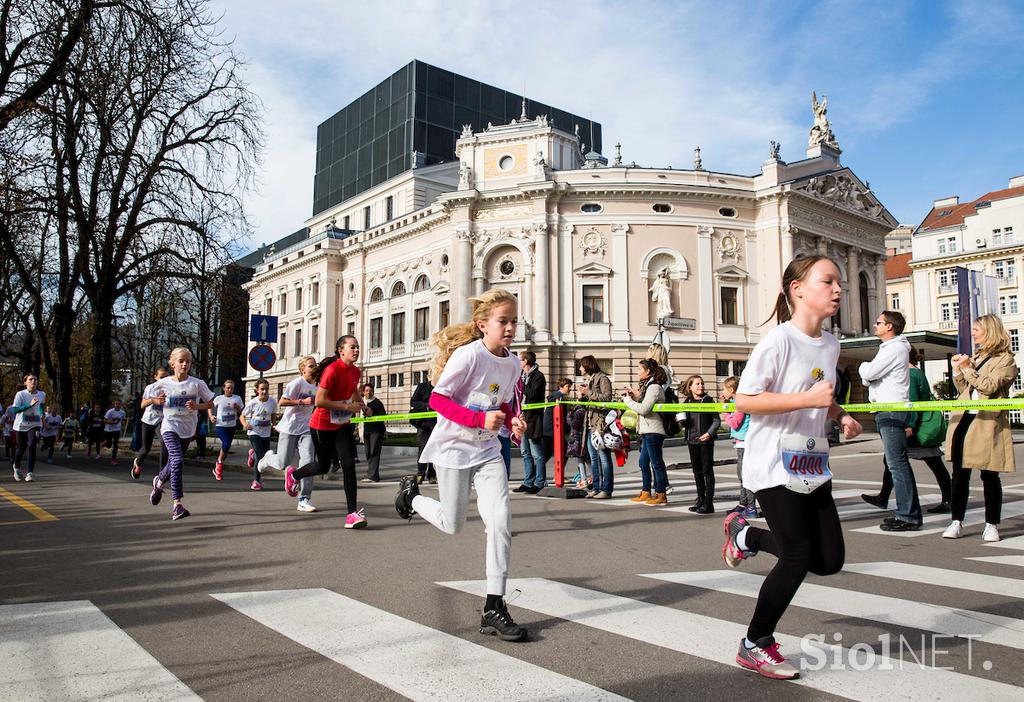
(218, 471)
(113, 463)
(356, 520)
(256, 485)
(291, 486)
(252, 459)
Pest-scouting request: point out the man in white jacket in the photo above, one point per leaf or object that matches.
(887, 377)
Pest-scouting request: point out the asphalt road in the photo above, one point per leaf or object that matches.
(146, 624)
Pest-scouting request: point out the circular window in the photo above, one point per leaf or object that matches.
(507, 267)
(351, 287)
(727, 211)
(591, 207)
(661, 207)
(444, 260)
(506, 162)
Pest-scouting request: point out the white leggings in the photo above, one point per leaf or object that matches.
(292, 450)
(492, 501)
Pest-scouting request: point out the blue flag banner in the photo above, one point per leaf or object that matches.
(978, 294)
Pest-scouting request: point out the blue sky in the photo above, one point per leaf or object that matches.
(926, 98)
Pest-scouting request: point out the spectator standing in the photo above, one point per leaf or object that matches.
(700, 429)
(374, 434)
(652, 432)
(420, 402)
(534, 457)
(599, 390)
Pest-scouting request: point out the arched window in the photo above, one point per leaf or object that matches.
(398, 290)
(376, 295)
(422, 283)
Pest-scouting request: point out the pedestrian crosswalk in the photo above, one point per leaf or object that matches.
(43, 646)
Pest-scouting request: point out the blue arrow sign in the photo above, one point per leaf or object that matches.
(263, 329)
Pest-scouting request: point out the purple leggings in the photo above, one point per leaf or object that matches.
(175, 446)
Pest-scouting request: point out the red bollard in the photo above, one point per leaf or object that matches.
(559, 448)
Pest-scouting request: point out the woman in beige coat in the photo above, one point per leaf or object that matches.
(981, 439)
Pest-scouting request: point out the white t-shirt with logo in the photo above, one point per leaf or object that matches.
(152, 414)
(51, 425)
(226, 410)
(475, 378)
(259, 415)
(785, 361)
(178, 418)
(113, 418)
(295, 419)
(33, 416)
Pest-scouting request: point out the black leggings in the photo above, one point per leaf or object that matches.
(805, 536)
(113, 440)
(26, 440)
(702, 461)
(962, 479)
(49, 443)
(330, 444)
(938, 469)
(94, 437)
(149, 431)
(424, 470)
(260, 446)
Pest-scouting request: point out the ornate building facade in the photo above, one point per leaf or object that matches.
(601, 256)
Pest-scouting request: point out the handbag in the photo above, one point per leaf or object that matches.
(932, 430)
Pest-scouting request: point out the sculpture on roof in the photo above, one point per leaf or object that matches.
(467, 130)
(773, 150)
(821, 132)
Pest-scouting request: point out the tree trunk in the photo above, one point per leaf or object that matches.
(102, 356)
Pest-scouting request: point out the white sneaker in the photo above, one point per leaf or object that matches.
(991, 532)
(305, 506)
(17, 475)
(29, 479)
(953, 530)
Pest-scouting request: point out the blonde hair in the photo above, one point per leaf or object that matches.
(304, 360)
(452, 337)
(997, 340)
(731, 382)
(180, 351)
(657, 352)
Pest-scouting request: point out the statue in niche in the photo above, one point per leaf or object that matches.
(465, 172)
(661, 293)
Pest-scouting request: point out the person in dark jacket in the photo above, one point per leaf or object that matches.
(420, 402)
(534, 459)
(700, 429)
(373, 434)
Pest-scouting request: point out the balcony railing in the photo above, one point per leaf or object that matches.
(376, 354)
(947, 289)
(1007, 281)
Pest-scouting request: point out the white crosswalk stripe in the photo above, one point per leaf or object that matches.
(1007, 587)
(1016, 542)
(951, 621)
(434, 665)
(72, 651)
(717, 640)
(1001, 560)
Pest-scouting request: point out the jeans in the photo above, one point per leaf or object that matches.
(891, 427)
(534, 463)
(652, 461)
(938, 469)
(601, 468)
(506, 453)
(747, 498)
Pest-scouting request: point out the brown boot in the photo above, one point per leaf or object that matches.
(658, 498)
(642, 497)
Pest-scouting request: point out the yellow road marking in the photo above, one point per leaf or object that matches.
(40, 514)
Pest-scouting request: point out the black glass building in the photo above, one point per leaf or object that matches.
(420, 108)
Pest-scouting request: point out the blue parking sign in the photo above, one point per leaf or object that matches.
(263, 329)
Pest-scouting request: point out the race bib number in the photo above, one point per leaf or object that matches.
(340, 416)
(30, 417)
(260, 422)
(228, 419)
(805, 459)
(479, 402)
(177, 406)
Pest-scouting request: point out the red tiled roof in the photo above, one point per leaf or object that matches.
(898, 266)
(950, 215)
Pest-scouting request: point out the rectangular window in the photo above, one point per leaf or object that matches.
(283, 344)
(389, 208)
(376, 332)
(1015, 341)
(722, 368)
(350, 329)
(947, 277)
(398, 328)
(421, 322)
(1008, 304)
(396, 380)
(345, 223)
(730, 312)
(298, 298)
(894, 301)
(419, 377)
(949, 311)
(997, 237)
(593, 304)
(443, 314)
(366, 217)
(298, 342)
(1005, 268)
(953, 248)
(942, 246)
(1008, 235)
(284, 302)
(269, 307)
(280, 390)
(314, 342)
(315, 294)
(1018, 385)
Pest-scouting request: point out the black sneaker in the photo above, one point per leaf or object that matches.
(498, 622)
(408, 488)
(941, 508)
(875, 500)
(898, 525)
(522, 488)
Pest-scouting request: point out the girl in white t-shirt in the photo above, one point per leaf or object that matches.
(257, 417)
(51, 426)
(224, 415)
(28, 419)
(786, 387)
(113, 421)
(184, 398)
(152, 406)
(294, 442)
(474, 376)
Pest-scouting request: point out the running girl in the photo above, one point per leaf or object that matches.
(224, 415)
(256, 418)
(28, 419)
(152, 404)
(70, 432)
(93, 428)
(475, 378)
(337, 399)
(294, 443)
(10, 440)
(51, 425)
(185, 398)
(112, 422)
(786, 387)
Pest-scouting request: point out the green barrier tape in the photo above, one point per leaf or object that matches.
(705, 407)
